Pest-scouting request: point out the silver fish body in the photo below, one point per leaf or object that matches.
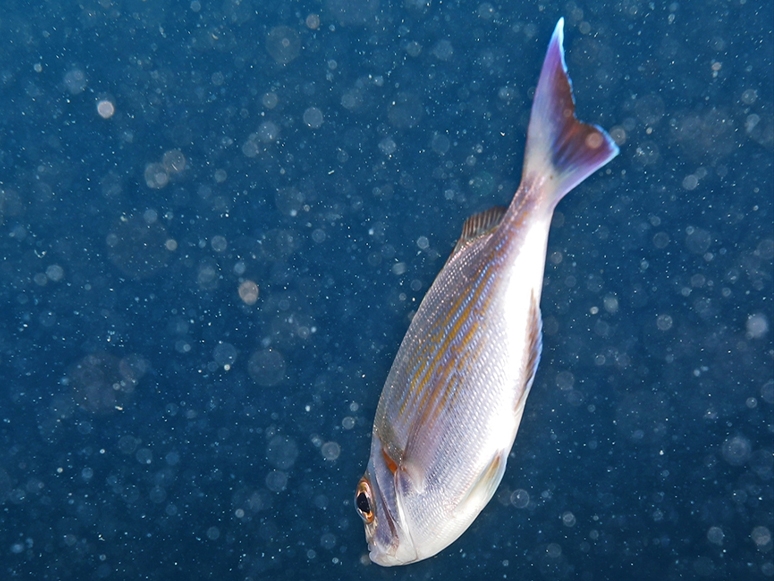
(453, 400)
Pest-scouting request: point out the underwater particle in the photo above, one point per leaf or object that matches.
(352, 99)
(736, 450)
(127, 444)
(761, 536)
(224, 354)
(610, 303)
(105, 108)
(387, 146)
(289, 200)
(565, 380)
(268, 131)
(520, 498)
(156, 176)
(647, 153)
(111, 185)
(507, 93)
(219, 243)
(554, 550)
(443, 50)
(102, 383)
(248, 292)
(208, 274)
(749, 96)
(276, 481)
(75, 81)
(690, 182)
(280, 244)
(618, 133)
(250, 147)
(765, 249)
(55, 273)
(330, 451)
(757, 326)
(715, 535)
(144, 456)
(413, 48)
(267, 367)
(767, 391)
(697, 240)
(486, 11)
(40, 279)
(174, 161)
(283, 44)
(313, 118)
(281, 452)
(270, 100)
(440, 144)
(661, 240)
(313, 21)
(664, 322)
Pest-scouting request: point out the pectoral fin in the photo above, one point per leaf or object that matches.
(484, 487)
(410, 479)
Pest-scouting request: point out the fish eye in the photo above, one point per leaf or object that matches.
(364, 501)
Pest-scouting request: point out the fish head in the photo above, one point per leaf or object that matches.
(378, 503)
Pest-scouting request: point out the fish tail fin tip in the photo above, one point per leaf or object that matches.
(560, 149)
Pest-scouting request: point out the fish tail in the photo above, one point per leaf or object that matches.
(561, 151)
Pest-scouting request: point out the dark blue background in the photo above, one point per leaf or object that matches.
(129, 451)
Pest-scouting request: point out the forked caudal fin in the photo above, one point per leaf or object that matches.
(561, 151)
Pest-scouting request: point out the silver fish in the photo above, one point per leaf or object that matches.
(455, 394)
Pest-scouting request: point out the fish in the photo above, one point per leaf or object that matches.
(454, 397)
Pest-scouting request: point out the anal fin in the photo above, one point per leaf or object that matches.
(482, 490)
(534, 349)
(534, 342)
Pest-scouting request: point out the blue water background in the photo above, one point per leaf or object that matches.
(161, 163)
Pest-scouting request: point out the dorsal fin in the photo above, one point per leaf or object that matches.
(479, 225)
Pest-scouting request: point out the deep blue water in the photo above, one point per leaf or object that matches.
(163, 162)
